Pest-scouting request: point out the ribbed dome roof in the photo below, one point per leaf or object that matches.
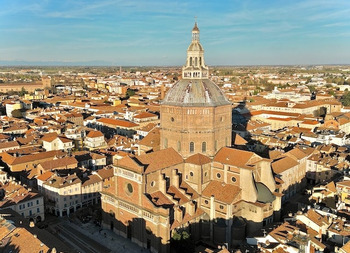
(195, 92)
(195, 46)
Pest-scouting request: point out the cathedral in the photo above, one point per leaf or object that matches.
(196, 182)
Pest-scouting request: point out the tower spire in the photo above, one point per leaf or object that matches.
(195, 67)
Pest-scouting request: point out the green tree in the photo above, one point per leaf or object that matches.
(23, 92)
(345, 100)
(17, 113)
(312, 88)
(130, 92)
(182, 242)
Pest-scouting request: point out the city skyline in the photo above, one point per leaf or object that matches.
(156, 33)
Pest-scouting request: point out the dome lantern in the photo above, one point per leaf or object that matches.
(195, 67)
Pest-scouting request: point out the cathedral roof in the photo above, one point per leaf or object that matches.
(195, 46)
(195, 92)
(198, 159)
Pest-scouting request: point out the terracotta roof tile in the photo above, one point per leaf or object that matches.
(283, 164)
(117, 122)
(160, 159)
(235, 157)
(198, 159)
(222, 192)
(159, 199)
(94, 134)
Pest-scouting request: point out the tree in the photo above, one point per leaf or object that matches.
(17, 113)
(23, 92)
(312, 88)
(130, 92)
(345, 100)
(182, 242)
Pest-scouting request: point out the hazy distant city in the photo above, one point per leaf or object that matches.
(139, 127)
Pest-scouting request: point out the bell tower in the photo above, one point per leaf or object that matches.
(195, 67)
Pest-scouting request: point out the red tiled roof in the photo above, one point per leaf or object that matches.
(222, 192)
(117, 122)
(94, 134)
(198, 159)
(234, 157)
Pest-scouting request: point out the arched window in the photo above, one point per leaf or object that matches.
(216, 145)
(178, 146)
(200, 61)
(204, 147)
(191, 146)
(165, 143)
(190, 61)
(195, 62)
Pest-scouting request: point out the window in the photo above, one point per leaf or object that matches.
(233, 179)
(191, 173)
(191, 146)
(179, 146)
(153, 183)
(216, 145)
(206, 202)
(38, 210)
(218, 175)
(30, 213)
(172, 119)
(37, 202)
(221, 207)
(204, 146)
(129, 188)
(165, 143)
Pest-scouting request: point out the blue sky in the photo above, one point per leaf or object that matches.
(158, 32)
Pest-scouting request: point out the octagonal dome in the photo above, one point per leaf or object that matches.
(195, 92)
